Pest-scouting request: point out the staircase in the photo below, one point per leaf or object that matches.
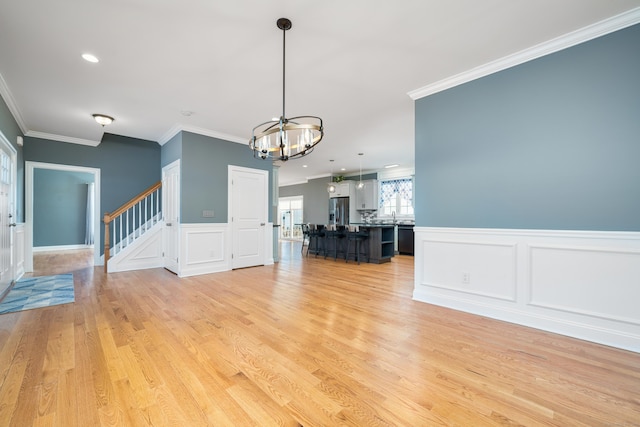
(133, 233)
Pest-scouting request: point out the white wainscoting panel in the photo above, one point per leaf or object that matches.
(204, 248)
(18, 267)
(268, 244)
(474, 267)
(595, 282)
(583, 284)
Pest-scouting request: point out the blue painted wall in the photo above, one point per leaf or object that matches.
(171, 150)
(204, 176)
(551, 144)
(59, 207)
(127, 166)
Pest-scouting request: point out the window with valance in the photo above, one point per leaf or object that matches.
(396, 195)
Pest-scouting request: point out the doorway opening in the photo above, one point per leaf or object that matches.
(290, 211)
(89, 223)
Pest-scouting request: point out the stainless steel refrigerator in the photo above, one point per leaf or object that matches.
(339, 211)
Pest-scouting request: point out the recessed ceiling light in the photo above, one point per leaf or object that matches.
(391, 166)
(343, 169)
(89, 57)
(304, 166)
(186, 113)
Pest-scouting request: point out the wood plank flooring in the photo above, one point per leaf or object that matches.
(308, 342)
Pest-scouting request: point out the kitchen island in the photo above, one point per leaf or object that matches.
(379, 245)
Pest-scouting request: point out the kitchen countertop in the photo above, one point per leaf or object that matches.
(371, 225)
(385, 224)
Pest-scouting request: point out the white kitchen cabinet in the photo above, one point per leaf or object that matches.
(367, 197)
(343, 189)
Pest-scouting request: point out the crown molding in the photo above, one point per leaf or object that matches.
(62, 138)
(288, 184)
(11, 104)
(573, 38)
(178, 127)
(15, 111)
(323, 175)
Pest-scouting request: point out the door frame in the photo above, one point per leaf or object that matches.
(13, 195)
(265, 238)
(28, 212)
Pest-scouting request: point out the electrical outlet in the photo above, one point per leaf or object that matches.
(465, 278)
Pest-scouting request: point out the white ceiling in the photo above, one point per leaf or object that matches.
(351, 62)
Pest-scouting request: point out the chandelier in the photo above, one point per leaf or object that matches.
(286, 138)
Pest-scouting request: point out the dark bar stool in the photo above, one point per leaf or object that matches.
(317, 235)
(337, 236)
(305, 236)
(358, 236)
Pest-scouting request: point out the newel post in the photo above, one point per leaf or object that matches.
(107, 239)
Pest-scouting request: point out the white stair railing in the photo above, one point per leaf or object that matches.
(130, 221)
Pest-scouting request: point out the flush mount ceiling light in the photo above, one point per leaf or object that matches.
(103, 119)
(286, 138)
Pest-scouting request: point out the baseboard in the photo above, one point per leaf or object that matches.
(60, 248)
(582, 284)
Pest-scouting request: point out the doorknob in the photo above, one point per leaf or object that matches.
(12, 225)
(168, 224)
(262, 224)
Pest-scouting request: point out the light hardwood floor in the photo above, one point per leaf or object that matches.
(308, 342)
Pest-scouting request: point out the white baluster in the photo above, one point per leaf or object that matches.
(120, 241)
(128, 233)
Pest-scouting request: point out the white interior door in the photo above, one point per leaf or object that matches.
(249, 193)
(171, 214)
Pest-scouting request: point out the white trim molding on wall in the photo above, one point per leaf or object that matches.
(582, 35)
(19, 252)
(583, 284)
(204, 248)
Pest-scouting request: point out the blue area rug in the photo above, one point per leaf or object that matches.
(36, 292)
